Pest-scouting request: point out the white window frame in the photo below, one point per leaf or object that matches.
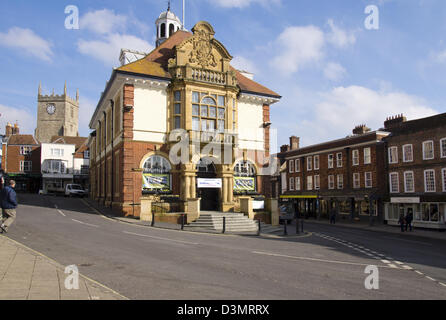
(443, 173)
(340, 180)
(316, 161)
(331, 163)
(355, 156)
(339, 160)
(391, 160)
(433, 149)
(291, 182)
(22, 166)
(331, 182)
(310, 163)
(297, 184)
(291, 164)
(425, 181)
(310, 183)
(371, 180)
(443, 148)
(404, 152)
(369, 156)
(297, 165)
(406, 190)
(317, 182)
(25, 150)
(356, 178)
(397, 182)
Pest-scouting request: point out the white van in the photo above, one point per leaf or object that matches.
(75, 190)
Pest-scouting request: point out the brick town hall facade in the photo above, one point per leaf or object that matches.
(186, 83)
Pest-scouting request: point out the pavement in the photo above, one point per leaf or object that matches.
(144, 263)
(28, 275)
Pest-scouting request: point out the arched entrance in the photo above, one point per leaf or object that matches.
(210, 197)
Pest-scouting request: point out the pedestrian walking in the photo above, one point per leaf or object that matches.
(8, 199)
(333, 216)
(402, 222)
(409, 219)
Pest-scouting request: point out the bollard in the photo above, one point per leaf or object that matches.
(285, 233)
(182, 221)
(259, 231)
(297, 226)
(153, 219)
(224, 224)
(302, 226)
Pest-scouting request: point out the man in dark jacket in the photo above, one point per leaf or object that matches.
(8, 199)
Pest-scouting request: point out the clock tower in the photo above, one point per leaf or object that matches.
(57, 115)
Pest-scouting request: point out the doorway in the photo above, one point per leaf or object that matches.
(210, 197)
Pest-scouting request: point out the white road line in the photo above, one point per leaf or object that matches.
(407, 268)
(393, 266)
(61, 213)
(444, 285)
(312, 259)
(385, 261)
(159, 238)
(87, 224)
(420, 273)
(430, 278)
(398, 262)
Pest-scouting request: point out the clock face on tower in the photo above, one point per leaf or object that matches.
(51, 109)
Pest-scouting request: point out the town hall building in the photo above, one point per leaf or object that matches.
(185, 90)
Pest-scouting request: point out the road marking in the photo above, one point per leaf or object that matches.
(61, 212)
(420, 273)
(398, 262)
(159, 238)
(312, 259)
(444, 285)
(385, 261)
(87, 224)
(407, 268)
(430, 278)
(393, 266)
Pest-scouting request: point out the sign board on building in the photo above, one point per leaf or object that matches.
(244, 184)
(209, 183)
(405, 200)
(156, 181)
(258, 205)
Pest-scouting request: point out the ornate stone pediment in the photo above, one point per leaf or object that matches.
(202, 53)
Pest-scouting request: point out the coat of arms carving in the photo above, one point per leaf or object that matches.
(202, 50)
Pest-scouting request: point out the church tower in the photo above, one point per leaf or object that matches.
(57, 115)
(166, 25)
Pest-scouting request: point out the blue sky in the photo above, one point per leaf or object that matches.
(332, 72)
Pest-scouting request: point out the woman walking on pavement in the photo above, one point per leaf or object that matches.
(402, 222)
(8, 199)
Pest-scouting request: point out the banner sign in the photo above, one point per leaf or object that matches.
(244, 184)
(405, 200)
(258, 205)
(209, 183)
(156, 181)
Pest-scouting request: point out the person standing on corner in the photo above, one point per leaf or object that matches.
(402, 222)
(8, 198)
(409, 219)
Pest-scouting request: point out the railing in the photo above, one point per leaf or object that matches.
(209, 76)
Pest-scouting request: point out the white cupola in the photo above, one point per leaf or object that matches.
(166, 25)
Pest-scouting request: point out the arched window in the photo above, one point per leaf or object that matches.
(163, 30)
(206, 166)
(156, 175)
(157, 165)
(244, 169)
(171, 29)
(245, 178)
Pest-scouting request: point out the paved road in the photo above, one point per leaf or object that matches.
(147, 263)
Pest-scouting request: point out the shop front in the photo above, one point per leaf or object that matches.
(428, 214)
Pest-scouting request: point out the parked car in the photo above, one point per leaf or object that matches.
(75, 190)
(286, 214)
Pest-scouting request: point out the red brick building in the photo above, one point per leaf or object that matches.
(344, 175)
(416, 161)
(21, 159)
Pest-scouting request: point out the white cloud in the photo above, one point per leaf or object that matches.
(28, 41)
(438, 57)
(341, 109)
(298, 47)
(87, 108)
(339, 37)
(241, 63)
(334, 71)
(107, 50)
(243, 3)
(26, 119)
(103, 21)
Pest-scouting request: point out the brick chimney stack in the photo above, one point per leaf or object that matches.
(395, 121)
(8, 131)
(284, 148)
(16, 129)
(294, 143)
(361, 129)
